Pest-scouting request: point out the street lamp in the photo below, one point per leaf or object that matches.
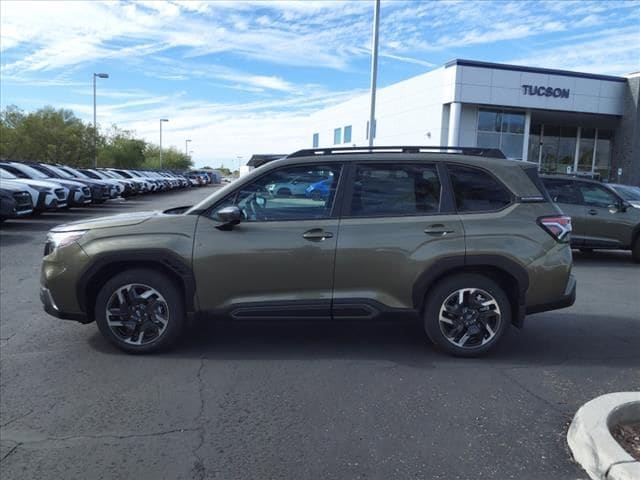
(95, 125)
(161, 120)
(186, 147)
(374, 71)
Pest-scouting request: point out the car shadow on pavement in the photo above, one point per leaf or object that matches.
(603, 256)
(552, 339)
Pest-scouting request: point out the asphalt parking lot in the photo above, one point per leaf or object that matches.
(301, 400)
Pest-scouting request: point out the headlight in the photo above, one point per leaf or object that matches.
(57, 240)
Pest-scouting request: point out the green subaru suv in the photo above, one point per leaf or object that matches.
(600, 216)
(459, 239)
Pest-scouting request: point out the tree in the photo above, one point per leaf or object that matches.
(46, 135)
(172, 158)
(122, 150)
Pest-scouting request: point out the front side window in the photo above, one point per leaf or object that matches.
(597, 196)
(347, 134)
(337, 136)
(477, 191)
(396, 190)
(293, 193)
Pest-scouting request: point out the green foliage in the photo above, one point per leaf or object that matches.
(224, 171)
(172, 158)
(122, 150)
(47, 135)
(58, 136)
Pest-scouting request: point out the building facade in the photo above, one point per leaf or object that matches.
(566, 122)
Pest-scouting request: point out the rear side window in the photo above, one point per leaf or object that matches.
(477, 191)
(562, 191)
(395, 190)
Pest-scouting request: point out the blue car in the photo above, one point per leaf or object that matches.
(319, 190)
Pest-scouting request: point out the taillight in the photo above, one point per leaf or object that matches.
(559, 227)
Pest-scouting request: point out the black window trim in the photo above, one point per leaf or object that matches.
(513, 197)
(335, 208)
(445, 196)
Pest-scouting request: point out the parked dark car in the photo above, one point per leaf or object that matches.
(601, 217)
(100, 191)
(14, 202)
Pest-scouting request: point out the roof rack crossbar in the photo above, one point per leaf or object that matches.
(474, 151)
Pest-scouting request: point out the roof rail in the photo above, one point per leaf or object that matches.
(475, 151)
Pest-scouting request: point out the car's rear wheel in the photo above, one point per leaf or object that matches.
(635, 251)
(283, 192)
(586, 250)
(466, 314)
(140, 311)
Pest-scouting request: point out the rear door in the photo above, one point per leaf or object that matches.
(394, 226)
(566, 194)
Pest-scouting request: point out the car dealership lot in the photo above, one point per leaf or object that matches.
(301, 400)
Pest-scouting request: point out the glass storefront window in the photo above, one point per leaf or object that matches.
(603, 153)
(503, 130)
(585, 151)
(567, 148)
(534, 143)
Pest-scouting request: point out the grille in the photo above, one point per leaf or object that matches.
(23, 201)
(59, 193)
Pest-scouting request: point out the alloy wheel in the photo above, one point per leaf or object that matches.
(469, 317)
(137, 314)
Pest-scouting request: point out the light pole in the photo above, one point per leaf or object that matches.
(374, 70)
(95, 124)
(186, 147)
(161, 120)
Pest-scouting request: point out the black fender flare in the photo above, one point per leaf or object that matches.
(465, 262)
(164, 259)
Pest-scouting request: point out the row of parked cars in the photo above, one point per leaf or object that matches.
(31, 188)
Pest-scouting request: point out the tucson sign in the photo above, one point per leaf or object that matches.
(545, 91)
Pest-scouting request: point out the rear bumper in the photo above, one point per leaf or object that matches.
(566, 300)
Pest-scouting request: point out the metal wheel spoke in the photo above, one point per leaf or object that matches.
(463, 339)
(446, 320)
(137, 314)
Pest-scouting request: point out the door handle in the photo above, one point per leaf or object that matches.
(593, 211)
(438, 230)
(316, 235)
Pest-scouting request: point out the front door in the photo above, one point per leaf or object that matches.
(278, 262)
(393, 230)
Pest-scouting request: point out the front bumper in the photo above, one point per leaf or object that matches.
(566, 300)
(52, 309)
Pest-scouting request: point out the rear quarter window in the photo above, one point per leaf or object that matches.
(477, 191)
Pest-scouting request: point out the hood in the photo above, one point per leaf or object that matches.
(14, 187)
(121, 220)
(68, 183)
(39, 183)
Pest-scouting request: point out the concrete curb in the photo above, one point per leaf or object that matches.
(591, 442)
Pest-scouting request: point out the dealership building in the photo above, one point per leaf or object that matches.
(566, 122)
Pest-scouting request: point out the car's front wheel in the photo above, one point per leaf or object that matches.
(466, 314)
(140, 311)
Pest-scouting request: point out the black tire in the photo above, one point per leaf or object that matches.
(176, 317)
(316, 195)
(635, 251)
(283, 192)
(444, 289)
(586, 250)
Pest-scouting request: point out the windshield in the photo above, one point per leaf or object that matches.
(30, 171)
(628, 192)
(60, 171)
(6, 174)
(75, 172)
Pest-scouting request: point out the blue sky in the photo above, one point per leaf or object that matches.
(240, 77)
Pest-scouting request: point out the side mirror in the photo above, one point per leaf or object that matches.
(624, 205)
(229, 216)
(615, 208)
